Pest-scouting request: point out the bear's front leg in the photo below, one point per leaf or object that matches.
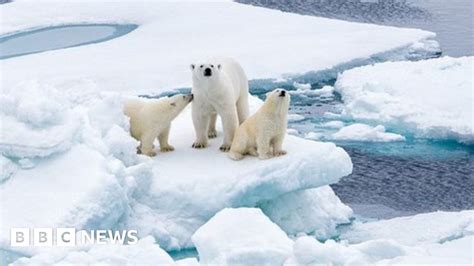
(264, 148)
(277, 145)
(201, 124)
(146, 145)
(230, 123)
(163, 139)
(212, 132)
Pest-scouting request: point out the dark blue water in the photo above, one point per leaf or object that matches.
(59, 37)
(389, 179)
(451, 20)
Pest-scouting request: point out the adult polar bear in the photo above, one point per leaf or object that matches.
(220, 87)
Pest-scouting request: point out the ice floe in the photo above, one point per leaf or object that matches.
(189, 186)
(315, 211)
(431, 99)
(243, 236)
(436, 227)
(150, 59)
(362, 132)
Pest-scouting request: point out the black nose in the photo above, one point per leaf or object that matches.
(191, 97)
(282, 93)
(207, 72)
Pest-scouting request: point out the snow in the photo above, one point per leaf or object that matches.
(145, 252)
(333, 124)
(429, 99)
(363, 132)
(98, 181)
(308, 251)
(315, 211)
(231, 236)
(67, 158)
(61, 192)
(313, 135)
(302, 86)
(155, 58)
(295, 117)
(7, 168)
(455, 252)
(189, 186)
(305, 89)
(35, 125)
(243, 236)
(436, 227)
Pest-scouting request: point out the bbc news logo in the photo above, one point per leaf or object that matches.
(67, 237)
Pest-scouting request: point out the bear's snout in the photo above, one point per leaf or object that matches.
(190, 97)
(282, 93)
(207, 72)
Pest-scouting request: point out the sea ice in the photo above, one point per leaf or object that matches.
(316, 211)
(435, 227)
(243, 236)
(362, 132)
(145, 253)
(430, 99)
(151, 60)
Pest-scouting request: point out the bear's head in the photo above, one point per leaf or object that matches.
(206, 71)
(279, 99)
(178, 102)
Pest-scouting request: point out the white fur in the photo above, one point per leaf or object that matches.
(224, 93)
(262, 133)
(151, 119)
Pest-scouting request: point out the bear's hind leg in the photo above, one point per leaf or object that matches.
(239, 146)
(146, 145)
(243, 108)
(163, 139)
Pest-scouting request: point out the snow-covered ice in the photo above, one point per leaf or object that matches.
(308, 251)
(98, 180)
(69, 161)
(436, 227)
(145, 253)
(7, 168)
(189, 186)
(333, 124)
(431, 98)
(154, 57)
(72, 190)
(295, 117)
(363, 132)
(315, 211)
(243, 236)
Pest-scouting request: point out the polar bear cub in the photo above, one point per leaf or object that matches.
(151, 119)
(262, 133)
(220, 87)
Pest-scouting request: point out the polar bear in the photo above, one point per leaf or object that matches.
(151, 119)
(220, 87)
(262, 133)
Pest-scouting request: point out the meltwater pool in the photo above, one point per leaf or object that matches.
(59, 37)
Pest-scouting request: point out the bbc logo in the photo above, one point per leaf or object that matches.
(42, 237)
(66, 237)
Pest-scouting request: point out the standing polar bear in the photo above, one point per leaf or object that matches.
(151, 119)
(220, 87)
(262, 134)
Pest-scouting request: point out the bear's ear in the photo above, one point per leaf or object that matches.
(219, 66)
(192, 66)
